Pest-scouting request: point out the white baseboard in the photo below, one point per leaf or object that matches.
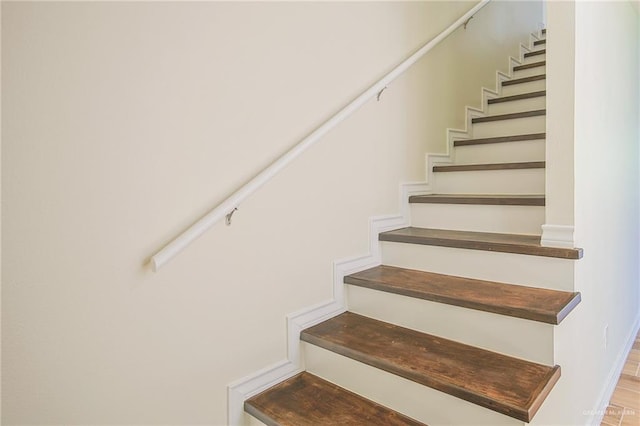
(246, 387)
(595, 418)
(557, 236)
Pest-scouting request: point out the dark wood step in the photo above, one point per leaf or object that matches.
(524, 80)
(308, 400)
(539, 42)
(521, 96)
(485, 200)
(531, 65)
(544, 31)
(495, 166)
(535, 53)
(536, 304)
(488, 241)
(508, 385)
(510, 116)
(500, 139)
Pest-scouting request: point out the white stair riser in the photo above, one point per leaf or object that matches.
(252, 421)
(538, 47)
(517, 89)
(515, 126)
(534, 271)
(526, 181)
(529, 340)
(521, 105)
(464, 217)
(504, 152)
(410, 398)
(534, 58)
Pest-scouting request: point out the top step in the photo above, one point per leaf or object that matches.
(307, 400)
(508, 385)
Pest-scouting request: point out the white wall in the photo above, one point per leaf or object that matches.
(559, 190)
(124, 122)
(607, 193)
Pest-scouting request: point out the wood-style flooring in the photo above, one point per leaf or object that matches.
(624, 407)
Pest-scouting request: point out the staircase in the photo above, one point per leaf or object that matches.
(456, 325)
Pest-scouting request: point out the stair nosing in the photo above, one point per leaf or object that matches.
(540, 396)
(535, 53)
(431, 379)
(528, 66)
(489, 167)
(524, 80)
(529, 95)
(500, 139)
(436, 292)
(509, 116)
(477, 199)
(465, 241)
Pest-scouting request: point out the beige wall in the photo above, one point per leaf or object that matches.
(607, 193)
(123, 122)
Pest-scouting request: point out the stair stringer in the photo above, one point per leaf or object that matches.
(254, 383)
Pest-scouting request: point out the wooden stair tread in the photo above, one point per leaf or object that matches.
(544, 31)
(531, 65)
(537, 304)
(501, 383)
(539, 42)
(492, 166)
(524, 80)
(477, 199)
(535, 53)
(521, 96)
(500, 139)
(509, 116)
(504, 243)
(307, 400)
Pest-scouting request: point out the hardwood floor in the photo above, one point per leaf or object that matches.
(624, 407)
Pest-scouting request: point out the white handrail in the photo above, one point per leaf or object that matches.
(227, 206)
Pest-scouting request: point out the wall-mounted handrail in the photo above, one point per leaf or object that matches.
(169, 251)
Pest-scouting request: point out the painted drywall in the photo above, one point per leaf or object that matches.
(591, 343)
(559, 176)
(124, 122)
